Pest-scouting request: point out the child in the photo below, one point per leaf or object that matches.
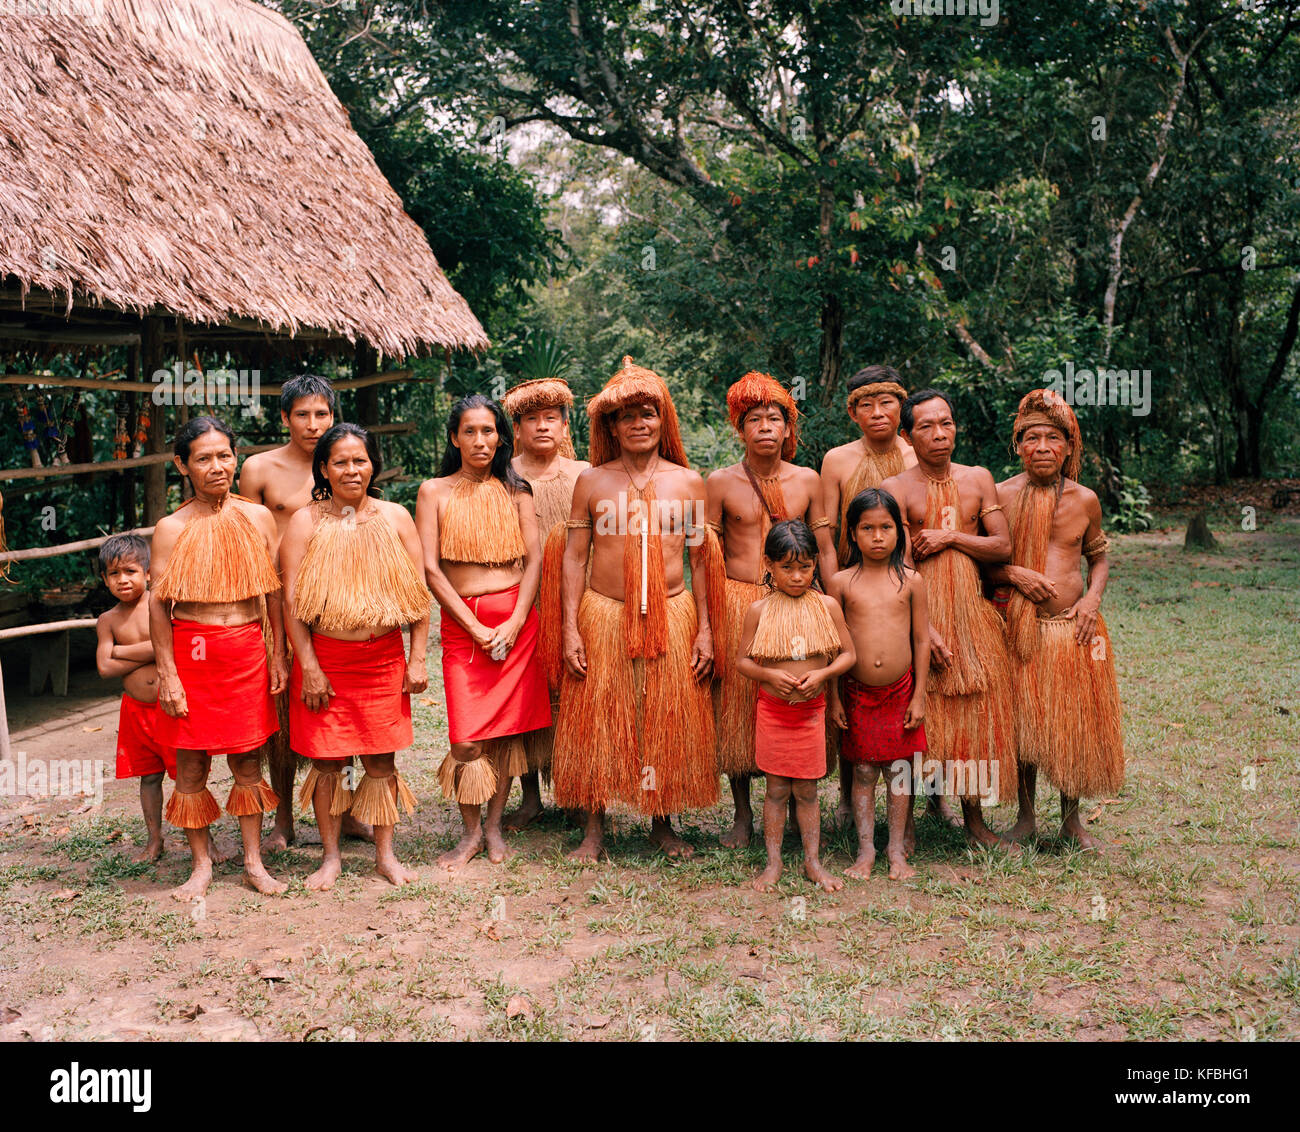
(125, 650)
(793, 641)
(883, 705)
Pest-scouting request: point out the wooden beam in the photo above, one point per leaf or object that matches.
(71, 337)
(125, 386)
(67, 547)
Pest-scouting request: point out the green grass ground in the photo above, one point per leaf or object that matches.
(1185, 928)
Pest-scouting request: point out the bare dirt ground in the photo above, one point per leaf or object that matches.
(1185, 928)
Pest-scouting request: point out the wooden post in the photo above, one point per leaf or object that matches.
(365, 363)
(155, 478)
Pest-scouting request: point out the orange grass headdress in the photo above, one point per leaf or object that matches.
(873, 388)
(633, 385)
(755, 389)
(541, 393)
(1047, 407)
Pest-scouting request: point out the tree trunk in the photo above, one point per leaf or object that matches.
(831, 355)
(1199, 536)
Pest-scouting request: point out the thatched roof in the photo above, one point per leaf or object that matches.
(188, 157)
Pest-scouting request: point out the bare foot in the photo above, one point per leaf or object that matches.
(322, 880)
(522, 818)
(151, 852)
(1025, 826)
(197, 886)
(356, 829)
(393, 871)
(861, 868)
(987, 839)
(263, 882)
(497, 850)
(815, 872)
(586, 853)
(1074, 831)
(766, 880)
(739, 835)
(464, 851)
(670, 843)
(899, 869)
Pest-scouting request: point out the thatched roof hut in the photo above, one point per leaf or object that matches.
(187, 158)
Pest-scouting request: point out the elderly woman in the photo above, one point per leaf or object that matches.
(483, 561)
(352, 577)
(212, 558)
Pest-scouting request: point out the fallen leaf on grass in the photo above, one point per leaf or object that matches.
(116, 835)
(84, 728)
(268, 971)
(519, 1007)
(1092, 817)
(428, 702)
(1281, 710)
(597, 1021)
(64, 894)
(189, 1013)
(30, 820)
(62, 832)
(9, 1014)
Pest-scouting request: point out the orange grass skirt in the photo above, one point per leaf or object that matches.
(635, 731)
(1069, 720)
(734, 696)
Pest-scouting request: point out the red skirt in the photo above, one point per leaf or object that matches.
(875, 714)
(227, 690)
(489, 699)
(138, 750)
(790, 738)
(369, 714)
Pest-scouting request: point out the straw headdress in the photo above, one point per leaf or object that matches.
(540, 393)
(1047, 407)
(633, 385)
(756, 389)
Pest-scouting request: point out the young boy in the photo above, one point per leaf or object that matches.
(124, 650)
(882, 706)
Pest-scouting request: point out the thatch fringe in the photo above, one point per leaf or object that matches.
(646, 633)
(480, 524)
(474, 785)
(254, 798)
(264, 206)
(340, 800)
(193, 811)
(794, 628)
(631, 385)
(715, 579)
(735, 695)
(550, 639)
(375, 801)
(356, 573)
(1030, 516)
(218, 557)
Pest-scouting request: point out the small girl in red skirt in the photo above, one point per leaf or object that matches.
(883, 703)
(793, 642)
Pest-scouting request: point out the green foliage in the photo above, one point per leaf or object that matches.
(1134, 510)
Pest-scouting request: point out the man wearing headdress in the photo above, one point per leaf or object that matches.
(636, 719)
(544, 457)
(954, 521)
(1068, 719)
(744, 500)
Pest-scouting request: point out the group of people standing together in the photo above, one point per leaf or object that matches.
(898, 612)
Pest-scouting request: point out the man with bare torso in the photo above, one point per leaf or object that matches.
(954, 521)
(744, 501)
(636, 721)
(281, 481)
(1069, 713)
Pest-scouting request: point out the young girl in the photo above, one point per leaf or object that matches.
(883, 706)
(793, 641)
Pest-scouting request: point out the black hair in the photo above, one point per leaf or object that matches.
(501, 466)
(195, 427)
(908, 416)
(869, 500)
(124, 548)
(306, 385)
(869, 375)
(320, 457)
(792, 537)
